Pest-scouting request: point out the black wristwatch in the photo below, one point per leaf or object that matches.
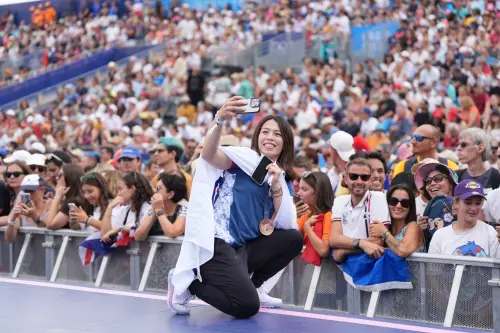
(355, 243)
(160, 213)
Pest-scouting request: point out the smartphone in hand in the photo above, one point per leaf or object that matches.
(260, 172)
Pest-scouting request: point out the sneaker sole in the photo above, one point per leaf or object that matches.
(270, 306)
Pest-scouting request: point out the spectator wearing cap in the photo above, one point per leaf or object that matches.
(368, 123)
(375, 138)
(167, 154)
(13, 175)
(129, 160)
(90, 160)
(54, 163)
(424, 141)
(37, 165)
(29, 208)
(468, 236)
(341, 148)
(474, 149)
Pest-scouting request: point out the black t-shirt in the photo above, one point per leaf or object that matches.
(156, 229)
(6, 199)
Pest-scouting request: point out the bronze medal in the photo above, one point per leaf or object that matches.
(266, 227)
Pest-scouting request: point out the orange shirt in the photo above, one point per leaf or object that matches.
(327, 224)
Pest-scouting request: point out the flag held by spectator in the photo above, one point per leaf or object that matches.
(92, 247)
(367, 274)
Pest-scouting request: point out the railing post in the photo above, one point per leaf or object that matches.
(311, 294)
(135, 265)
(495, 284)
(353, 300)
(452, 302)
(20, 259)
(49, 255)
(149, 263)
(12, 250)
(291, 280)
(423, 290)
(60, 256)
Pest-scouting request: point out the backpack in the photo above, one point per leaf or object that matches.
(413, 160)
(494, 182)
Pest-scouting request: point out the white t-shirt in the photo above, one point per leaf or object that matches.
(480, 241)
(491, 213)
(120, 213)
(421, 205)
(96, 214)
(354, 224)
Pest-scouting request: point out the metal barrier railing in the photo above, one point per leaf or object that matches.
(447, 290)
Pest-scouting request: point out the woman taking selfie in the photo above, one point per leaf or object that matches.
(316, 192)
(169, 217)
(234, 224)
(96, 195)
(129, 208)
(405, 235)
(29, 209)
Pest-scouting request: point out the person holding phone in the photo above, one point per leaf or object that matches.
(29, 209)
(255, 225)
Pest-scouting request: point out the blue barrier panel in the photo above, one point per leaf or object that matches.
(372, 38)
(66, 72)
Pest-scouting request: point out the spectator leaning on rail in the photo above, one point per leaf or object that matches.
(29, 212)
(352, 214)
(468, 236)
(424, 141)
(129, 208)
(316, 192)
(14, 175)
(474, 150)
(405, 235)
(169, 207)
(96, 194)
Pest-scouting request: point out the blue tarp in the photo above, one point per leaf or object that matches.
(66, 72)
(372, 38)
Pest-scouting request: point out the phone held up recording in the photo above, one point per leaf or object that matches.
(252, 106)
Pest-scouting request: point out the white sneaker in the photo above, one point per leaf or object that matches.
(178, 304)
(267, 301)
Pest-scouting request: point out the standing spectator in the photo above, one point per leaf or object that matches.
(341, 147)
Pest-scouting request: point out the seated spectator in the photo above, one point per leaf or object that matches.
(129, 160)
(316, 192)
(29, 209)
(14, 175)
(169, 217)
(468, 236)
(405, 235)
(96, 195)
(68, 191)
(129, 208)
(352, 214)
(436, 182)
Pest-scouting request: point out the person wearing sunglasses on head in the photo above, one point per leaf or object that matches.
(474, 150)
(54, 163)
(13, 175)
(352, 214)
(468, 236)
(29, 209)
(37, 164)
(404, 236)
(424, 142)
(436, 183)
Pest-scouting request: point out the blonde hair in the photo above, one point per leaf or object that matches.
(112, 178)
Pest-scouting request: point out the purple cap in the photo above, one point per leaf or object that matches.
(469, 188)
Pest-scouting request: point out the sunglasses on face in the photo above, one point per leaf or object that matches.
(419, 138)
(37, 168)
(16, 174)
(355, 176)
(437, 179)
(159, 151)
(464, 145)
(405, 203)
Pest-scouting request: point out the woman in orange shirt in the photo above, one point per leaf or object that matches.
(470, 114)
(316, 192)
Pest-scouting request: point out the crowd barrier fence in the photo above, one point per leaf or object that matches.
(447, 290)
